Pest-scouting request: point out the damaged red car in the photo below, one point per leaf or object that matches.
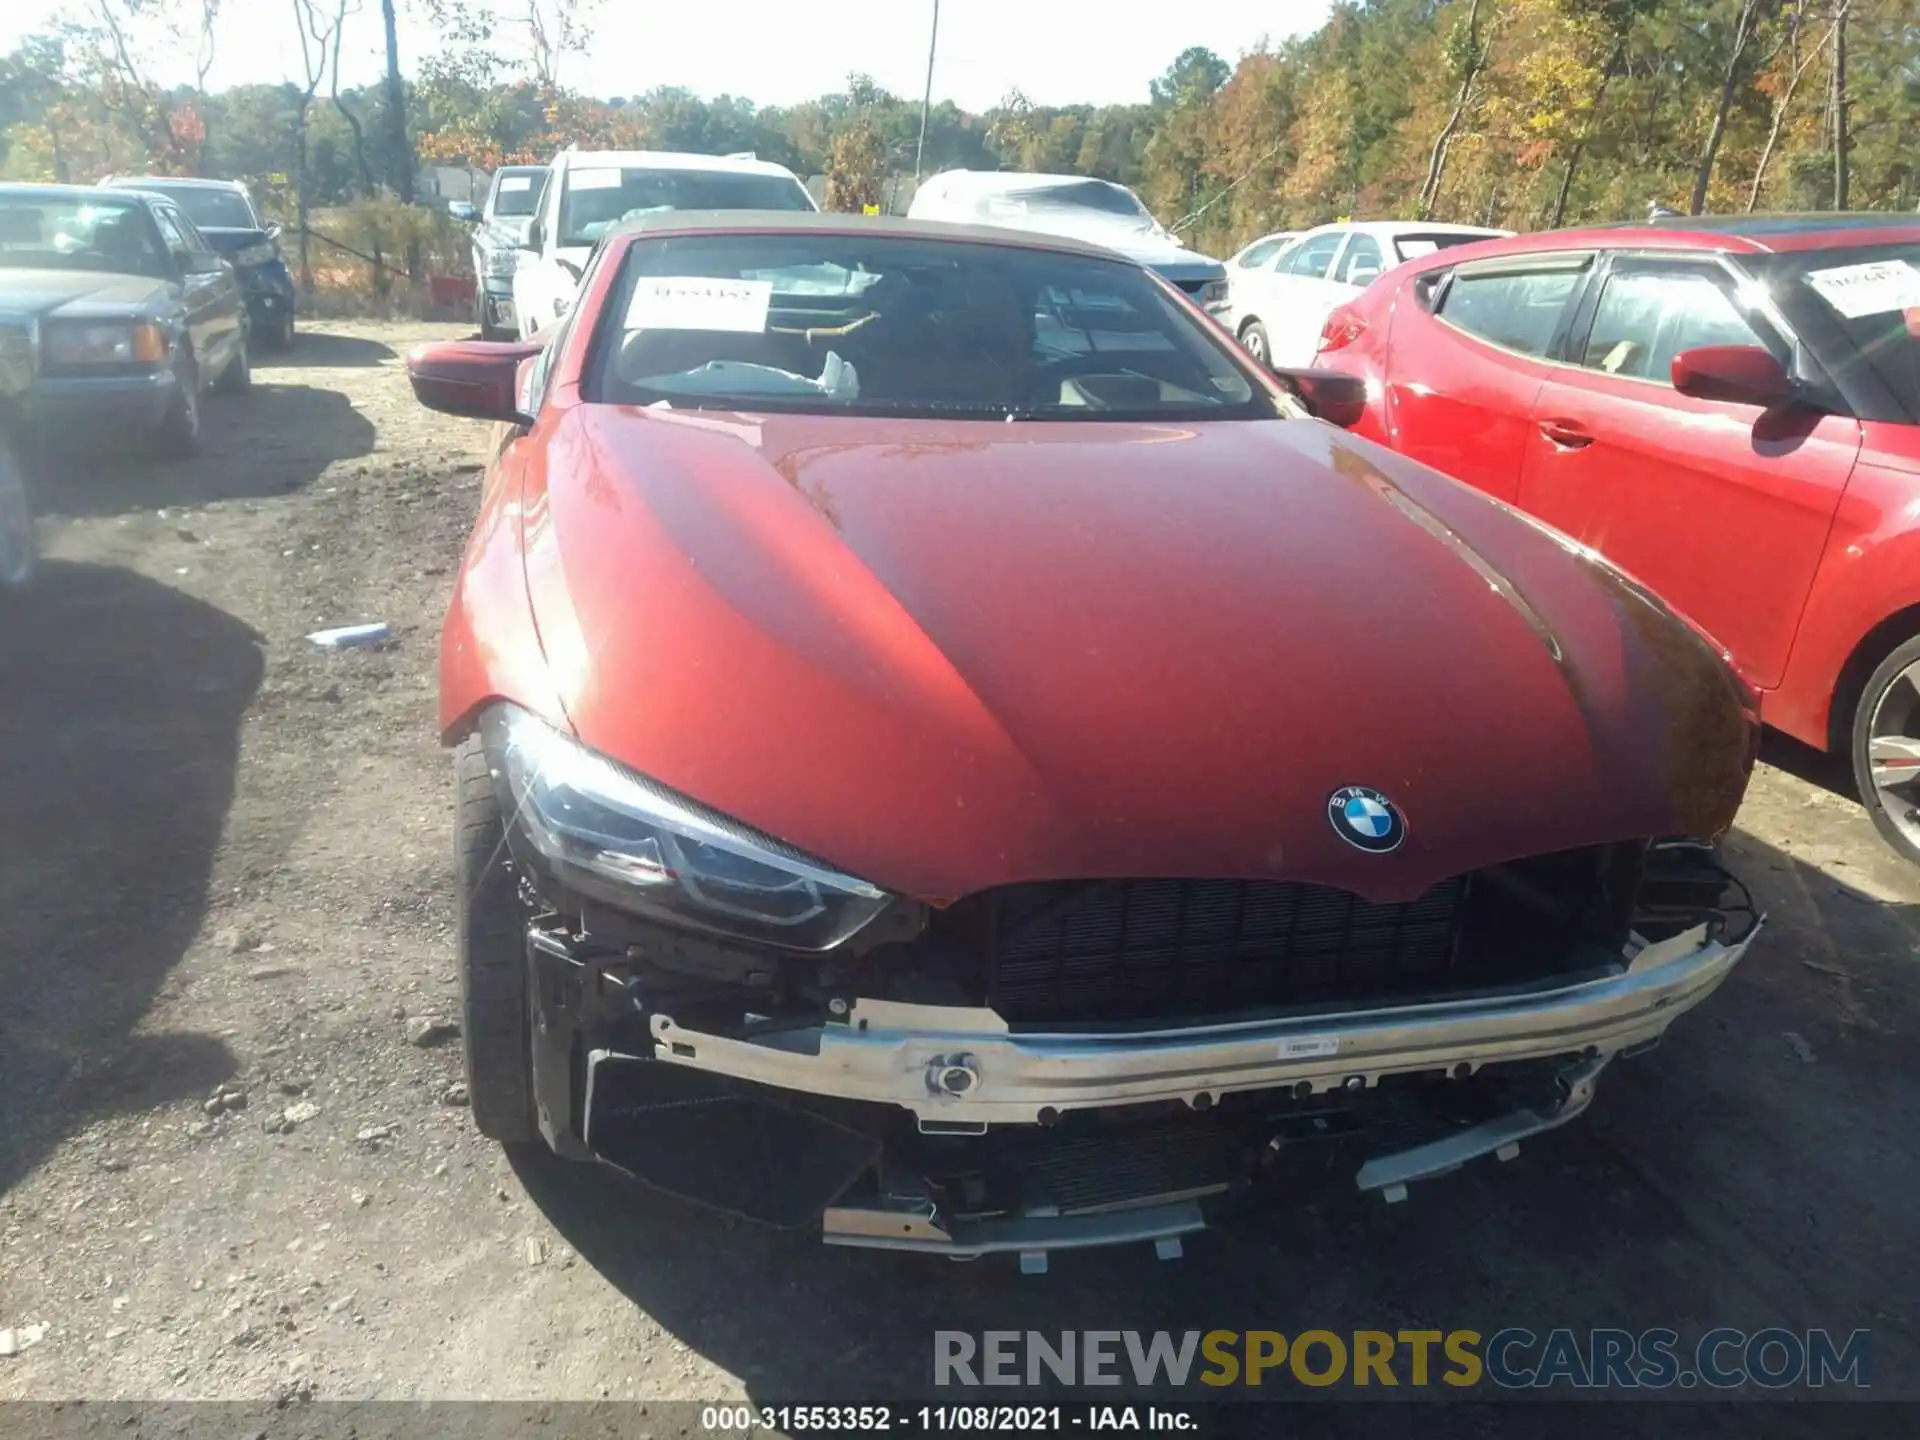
(952, 755)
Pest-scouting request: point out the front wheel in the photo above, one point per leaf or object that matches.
(491, 940)
(237, 378)
(16, 521)
(1886, 749)
(179, 437)
(1253, 339)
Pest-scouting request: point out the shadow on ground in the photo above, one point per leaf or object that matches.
(120, 707)
(278, 439)
(313, 349)
(1832, 773)
(1755, 1170)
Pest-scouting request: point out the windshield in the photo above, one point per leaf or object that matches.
(1412, 247)
(597, 200)
(518, 192)
(859, 324)
(61, 232)
(209, 209)
(1859, 308)
(1077, 196)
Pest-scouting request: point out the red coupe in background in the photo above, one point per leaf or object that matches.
(1728, 409)
(953, 755)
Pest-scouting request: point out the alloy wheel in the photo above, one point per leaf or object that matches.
(1893, 753)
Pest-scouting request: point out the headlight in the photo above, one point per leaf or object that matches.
(105, 344)
(261, 254)
(502, 263)
(673, 859)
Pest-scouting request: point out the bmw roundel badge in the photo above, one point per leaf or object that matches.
(1366, 819)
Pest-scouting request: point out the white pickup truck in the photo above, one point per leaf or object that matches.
(588, 192)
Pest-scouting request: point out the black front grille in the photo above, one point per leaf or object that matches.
(1192, 287)
(1145, 949)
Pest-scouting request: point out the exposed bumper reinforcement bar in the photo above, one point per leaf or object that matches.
(962, 1069)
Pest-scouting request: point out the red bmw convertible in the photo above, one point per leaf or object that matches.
(952, 755)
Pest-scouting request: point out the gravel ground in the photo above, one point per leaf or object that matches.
(234, 1158)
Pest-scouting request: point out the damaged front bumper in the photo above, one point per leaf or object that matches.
(943, 1129)
(959, 1069)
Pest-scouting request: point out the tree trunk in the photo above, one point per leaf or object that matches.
(1838, 100)
(1742, 31)
(1437, 159)
(353, 123)
(397, 109)
(1783, 104)
(1579, 150)
(300, 198)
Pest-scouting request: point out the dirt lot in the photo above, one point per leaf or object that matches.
(224, 867)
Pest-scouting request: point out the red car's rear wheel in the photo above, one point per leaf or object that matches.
(1886, 748)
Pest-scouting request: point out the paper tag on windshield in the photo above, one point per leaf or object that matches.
(1871, 289)
(517, 182)
(594, 179)
(695, 302)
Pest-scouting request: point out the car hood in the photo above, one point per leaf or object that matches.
(76, 293)
(950, 656)
(507, 230)
(1137, 239)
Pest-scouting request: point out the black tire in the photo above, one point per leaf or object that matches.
(237, 378)
(17, 554)
(495, 1016)
(179, 437)
(1890, 707)
(1253, 339)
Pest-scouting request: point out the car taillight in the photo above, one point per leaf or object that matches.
(1343, 327)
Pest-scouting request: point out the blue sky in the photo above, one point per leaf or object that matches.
(781, 51)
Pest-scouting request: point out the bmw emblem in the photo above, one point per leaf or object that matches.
(1366, 819)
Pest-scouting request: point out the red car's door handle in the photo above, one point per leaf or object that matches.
(1566, 434)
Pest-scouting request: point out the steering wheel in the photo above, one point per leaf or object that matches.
(1046, 377)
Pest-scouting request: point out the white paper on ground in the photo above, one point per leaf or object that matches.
(697, 302)
(1871, 289)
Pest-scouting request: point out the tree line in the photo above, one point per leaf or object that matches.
(1518, 113)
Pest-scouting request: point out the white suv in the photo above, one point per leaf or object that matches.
(591, 191)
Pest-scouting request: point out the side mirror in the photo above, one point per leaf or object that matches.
(478, 379)
(1743, 374)
(535, 235)
(1363, 275)
(462, 210)
(1333, 396)
(273, 230)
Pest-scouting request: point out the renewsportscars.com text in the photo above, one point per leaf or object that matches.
(1514, 1358)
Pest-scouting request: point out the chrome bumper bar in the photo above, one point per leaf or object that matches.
(963, 1069)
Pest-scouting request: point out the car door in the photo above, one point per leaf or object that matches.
(1280, 298)
(209, 327)
(1469, 349)
(228, 299)
(1254, 261)
(541, 284)
(1721, 508)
